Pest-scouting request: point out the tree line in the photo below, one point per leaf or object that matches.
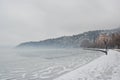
(104, 40)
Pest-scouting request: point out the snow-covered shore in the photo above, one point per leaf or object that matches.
(106, 67)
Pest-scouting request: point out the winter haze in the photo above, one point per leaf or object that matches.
(34, 20)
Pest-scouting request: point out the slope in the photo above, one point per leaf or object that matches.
(106, 67)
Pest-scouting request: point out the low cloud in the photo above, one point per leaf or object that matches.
(29, 20)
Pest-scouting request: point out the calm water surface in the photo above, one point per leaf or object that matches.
(42, 64)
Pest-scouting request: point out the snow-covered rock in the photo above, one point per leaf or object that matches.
(106, 67)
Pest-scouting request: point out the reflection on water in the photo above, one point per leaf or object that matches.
(42, 64)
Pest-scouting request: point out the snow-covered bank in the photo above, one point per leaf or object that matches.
(106, 67)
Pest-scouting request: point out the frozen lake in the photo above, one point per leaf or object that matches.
(42, 64)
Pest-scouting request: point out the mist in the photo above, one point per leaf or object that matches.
(28, 20)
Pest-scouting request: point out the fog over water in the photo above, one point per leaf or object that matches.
(35, 20)
(42, 64)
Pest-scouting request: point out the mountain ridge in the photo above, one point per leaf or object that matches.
(74, 41)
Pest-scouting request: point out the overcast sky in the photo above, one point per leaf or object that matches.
(34, 20)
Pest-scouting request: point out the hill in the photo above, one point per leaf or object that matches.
(63, 42)
(74, 41)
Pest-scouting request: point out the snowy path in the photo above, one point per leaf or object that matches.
(106, 67)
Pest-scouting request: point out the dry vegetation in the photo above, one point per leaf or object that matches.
(104, 41)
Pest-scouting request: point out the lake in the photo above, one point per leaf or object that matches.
(42, 64)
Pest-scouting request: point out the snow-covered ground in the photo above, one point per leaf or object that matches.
(106, 67)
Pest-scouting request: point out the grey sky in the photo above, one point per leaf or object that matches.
(33, 20)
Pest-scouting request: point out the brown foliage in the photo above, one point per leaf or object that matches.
(110, 41)
(116, 40)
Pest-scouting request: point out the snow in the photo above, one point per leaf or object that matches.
(106, 67)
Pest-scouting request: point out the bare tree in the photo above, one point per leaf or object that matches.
(106, 45)
(103, 41)
(116, 40)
